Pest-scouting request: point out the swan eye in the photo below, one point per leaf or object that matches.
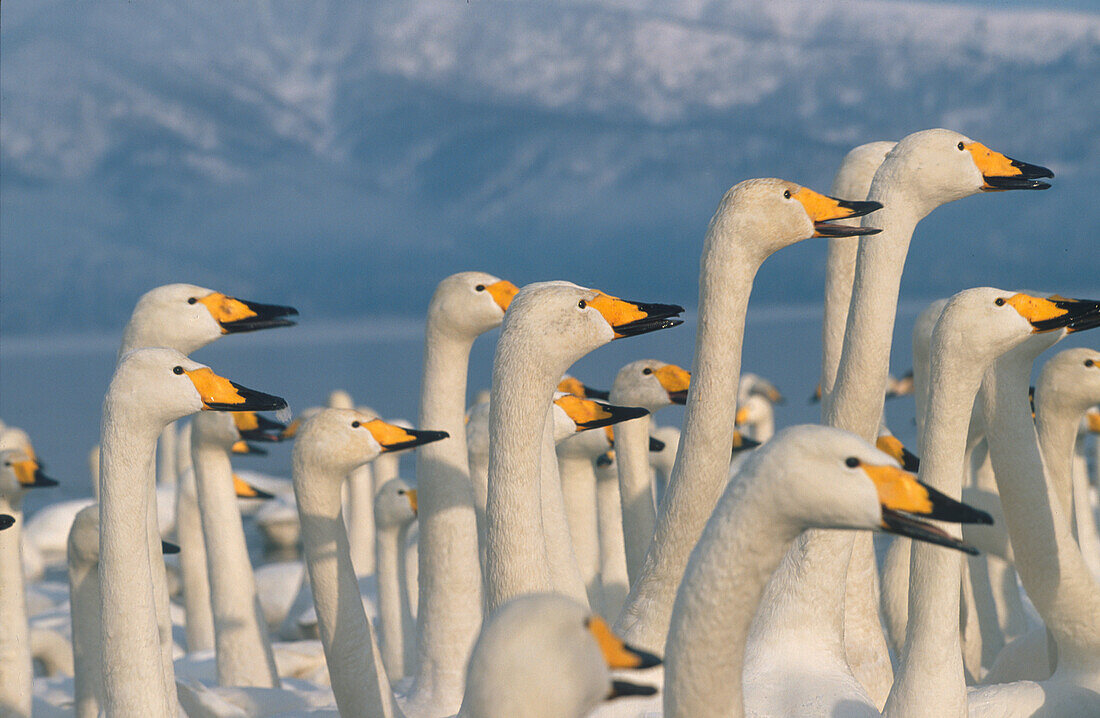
(177, 370)
(786, 194)
(401, 492)
(851, 462)
(647, 370)
(480, 288)
(1090, 363)
(355, 424)
(1000, 302)
(192, 300)
(961, 146)
(582, 304)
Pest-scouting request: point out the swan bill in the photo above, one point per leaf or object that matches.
(816, 397)
(900, 491)
(220, 394)
(591, 414)
(255, 427)
(574, 386)
(902, 525)
(890, 445)
(822, 208)
(1056, 312)
(741, 417)
(616, 652)
(291, 430)
(629, 319)
(236, 315)
(168, 548)
(245, 490)
(30, 476)
(396, 438)
(656, 444)
(243, 447)
(606, 458)
(621, 689)
(1001, 173)
(410, 494)
(676, 381)
(1093, 420)
(502, 293)
(6, 521)
(743, 443)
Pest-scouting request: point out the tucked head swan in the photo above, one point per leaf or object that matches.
(545, 655)
(805, 477)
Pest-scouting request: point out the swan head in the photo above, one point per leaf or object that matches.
(470, 303)
(753, 410)
(858, 168)
(20, 471)
(556, 323)
(822, 477)
(651, 384)
(83, 546)
(1070, 379)
(162, 385)
(939, 166)
(394, 505)
(186, 317)
(586, 414)
(751, 384)
(546, 655)
(339, 440)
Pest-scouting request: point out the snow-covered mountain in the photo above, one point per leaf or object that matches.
(344, 156)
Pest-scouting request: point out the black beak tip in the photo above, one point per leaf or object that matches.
(167, 547)
(620, 689)
(590, 393)
(41, 481)
(603, 460)
(656, 444)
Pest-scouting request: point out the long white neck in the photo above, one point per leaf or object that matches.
(578, 488)
(704, 657)
(702, 463)
(613, 576)
(199, 625)
(565, 573)
(15, 649)
(359, 681)
(242, 648)
(1048, 560)
(393, 609)
(636, 490)
(166, 456)
(1056, 422)
(449, 599)
(133, 668)
(359, 518)
(930, 679)
(87, 639)
(479, 479)
(1084, 521)
(516, 557)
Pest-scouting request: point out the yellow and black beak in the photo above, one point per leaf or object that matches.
(30, 476)
(395, 438)
(656, 444)
(822, 208)
(890, 445)
(6, 521)
(675, 381)
(245, 490)
(291, 430)
(574, 386)
(743, 443)
(591, 414)
(502, 293)
(1056, 312)
(617, 653)
(1002, 173)
(220, 394)
(255, 427)
(243, 447)
(410, 494)
(236, 315)
(629, 319)
(902, 497)
(606, 458)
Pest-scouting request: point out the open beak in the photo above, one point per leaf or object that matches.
(629, 319)
(822, 208)
(591, 414)
(254, 427)
(890, 445)
(30, 476)
(220, 394)
(574, 386)
(1056, 312)
(656, 444)
(395, 438)
(1002, 173)
(6, 521)
(245, 490)
(902, 497)
(675, 381)
(236, 315)
(743, 443)
(243, 447)
(616, 652)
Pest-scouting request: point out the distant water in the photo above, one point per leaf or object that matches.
(53, 386)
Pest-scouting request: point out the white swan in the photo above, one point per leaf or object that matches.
(329, 445)
(807, 476)
(544, 656)
(662, 457)
(463, 307)
(150, 388)
(18, 472)
(395, 508)
(548, 326)
(653, 385)
(614, 583)
(753, 220)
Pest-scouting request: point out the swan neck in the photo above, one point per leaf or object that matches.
(15, 652)
(635, 491)
(578, 488)
(87, 639)
(1056, 423)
